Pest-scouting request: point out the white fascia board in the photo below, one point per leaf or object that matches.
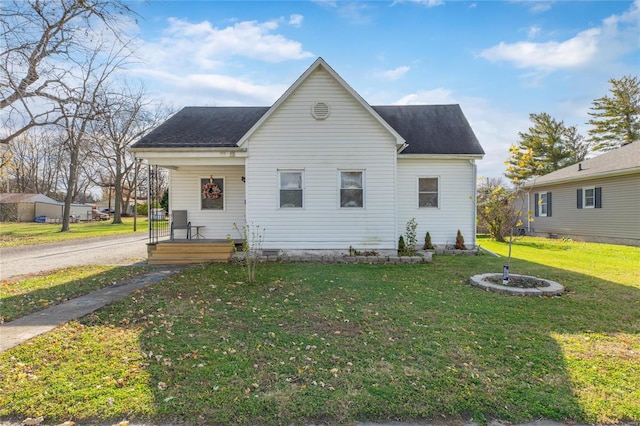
(440, 157)
(190, 152)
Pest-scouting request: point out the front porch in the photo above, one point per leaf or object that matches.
(189, 251)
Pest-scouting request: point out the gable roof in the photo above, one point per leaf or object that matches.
(320, 63)
(623, 160)
(426, 129)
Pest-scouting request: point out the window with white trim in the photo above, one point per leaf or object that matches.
(427, 192)
(588, 198)
(351, 189)
(543, 204)
(291, 189)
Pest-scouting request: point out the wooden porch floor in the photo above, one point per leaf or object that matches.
(189, 251)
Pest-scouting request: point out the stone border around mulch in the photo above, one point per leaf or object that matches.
(481, 281)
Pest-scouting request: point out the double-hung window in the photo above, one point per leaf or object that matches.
(427, 192)
(589, 197)
(351, 189)
(543, 204)
(291, 189)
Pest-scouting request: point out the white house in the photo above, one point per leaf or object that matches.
(321, 169)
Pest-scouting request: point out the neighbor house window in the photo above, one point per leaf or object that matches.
(352, 189)
(589, 197)
(543, 204)
(291, 189)
(427, 192)
(212, 193)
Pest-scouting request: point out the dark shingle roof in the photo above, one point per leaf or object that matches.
(427, 129)
(203, 127)
(432, 129)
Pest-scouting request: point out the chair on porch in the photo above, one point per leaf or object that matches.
(179, 221)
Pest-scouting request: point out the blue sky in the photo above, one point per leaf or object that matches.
(500, 60)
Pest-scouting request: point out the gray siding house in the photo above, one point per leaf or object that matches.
(597, 200)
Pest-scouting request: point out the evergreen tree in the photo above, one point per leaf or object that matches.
(547, 146)
(616, 119)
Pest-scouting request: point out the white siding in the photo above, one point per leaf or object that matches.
(349, 139)
(185, 194)
(456, 199)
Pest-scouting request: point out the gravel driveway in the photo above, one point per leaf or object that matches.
(113, 250)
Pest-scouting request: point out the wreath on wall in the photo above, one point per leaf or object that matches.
(211, 190)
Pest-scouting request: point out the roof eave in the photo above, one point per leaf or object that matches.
(577, 178)
(441, 156)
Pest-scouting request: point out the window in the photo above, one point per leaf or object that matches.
(352, 189)
(212, 193)
(291, 192)
(589, 198)
(543, 204)
(427, 192)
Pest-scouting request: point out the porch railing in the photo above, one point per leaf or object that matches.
(159, 225)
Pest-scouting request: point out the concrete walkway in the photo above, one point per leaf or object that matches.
(22, 329)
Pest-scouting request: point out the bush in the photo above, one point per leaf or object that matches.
(460, 242)
(427, 242)
(402, 247)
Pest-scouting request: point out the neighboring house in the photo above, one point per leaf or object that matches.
(321, 169)
(20, 207)
(596, 200)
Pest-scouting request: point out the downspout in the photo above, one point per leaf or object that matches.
(474, 168)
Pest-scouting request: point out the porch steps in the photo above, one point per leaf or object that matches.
(184, 252)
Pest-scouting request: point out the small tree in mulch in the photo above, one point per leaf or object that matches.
(460, 242)
(427, 242)
(402, 247)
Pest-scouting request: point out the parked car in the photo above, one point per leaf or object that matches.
(97, 215)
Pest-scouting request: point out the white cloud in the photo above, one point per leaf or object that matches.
(591, 47)
(197, 63)
(295, 20)
(577, 51)
(534, 31)
(395, 74)
(426, 3)
(539, 6)
(251, 39)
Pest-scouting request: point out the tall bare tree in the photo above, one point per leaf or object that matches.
(39, 43)
(93, 79)
(36, 163)
(128, 116)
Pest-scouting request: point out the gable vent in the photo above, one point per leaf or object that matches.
(320, 110)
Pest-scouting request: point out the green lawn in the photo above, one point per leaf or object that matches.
(318, 343)
(19, 297)
(23, 233)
